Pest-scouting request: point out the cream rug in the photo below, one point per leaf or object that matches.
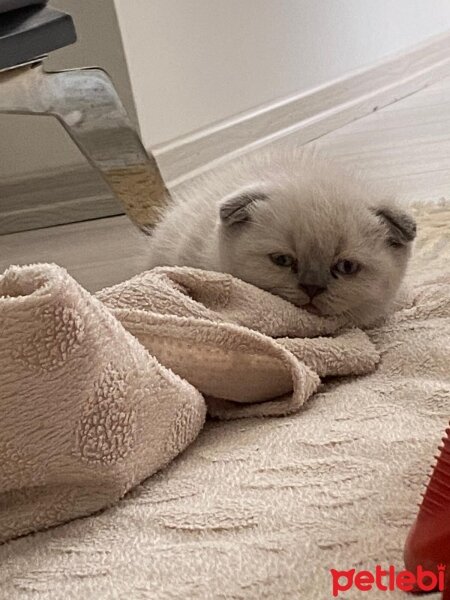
(263, 508)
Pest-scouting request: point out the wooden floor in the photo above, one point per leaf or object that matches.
(406, 146)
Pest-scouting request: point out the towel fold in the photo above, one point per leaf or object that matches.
(86, 412)
(228, 339)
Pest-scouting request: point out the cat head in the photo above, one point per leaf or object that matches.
(323, 242)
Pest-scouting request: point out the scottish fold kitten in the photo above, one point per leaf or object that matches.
(294, 226)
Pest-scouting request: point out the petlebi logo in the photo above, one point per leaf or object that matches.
(388, 580)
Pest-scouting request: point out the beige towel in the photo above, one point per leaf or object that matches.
(228, 339)
(87, 412)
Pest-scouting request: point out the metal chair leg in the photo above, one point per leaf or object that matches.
(87, 105)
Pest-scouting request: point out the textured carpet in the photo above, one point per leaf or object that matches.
(263, 508)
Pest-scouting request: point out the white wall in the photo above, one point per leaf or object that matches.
(36, 144)
(193, 62)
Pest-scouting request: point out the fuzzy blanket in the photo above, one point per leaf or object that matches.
(87, 413)
(255, 508)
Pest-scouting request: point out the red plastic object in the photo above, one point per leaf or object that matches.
(428, 542)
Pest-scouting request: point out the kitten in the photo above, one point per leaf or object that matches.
(296, 227)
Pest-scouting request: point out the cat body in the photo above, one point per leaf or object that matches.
(295, 226)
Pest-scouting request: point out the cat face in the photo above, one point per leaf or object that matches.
(325, 246)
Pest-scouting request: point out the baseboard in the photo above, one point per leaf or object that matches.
(311, 114)
(79, 194)
(65, 196)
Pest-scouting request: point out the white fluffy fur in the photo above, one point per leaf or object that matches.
(311, 211)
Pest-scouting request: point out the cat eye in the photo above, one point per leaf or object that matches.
(345, 267)
(282, 260)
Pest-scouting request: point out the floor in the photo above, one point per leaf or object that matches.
(405, 145)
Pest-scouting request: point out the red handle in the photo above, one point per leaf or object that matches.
(428, 542)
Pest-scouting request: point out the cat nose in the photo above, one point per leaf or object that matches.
(311, 290)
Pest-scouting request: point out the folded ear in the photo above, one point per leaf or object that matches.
(237, 207)
(402, 227)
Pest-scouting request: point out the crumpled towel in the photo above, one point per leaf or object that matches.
(249, 352)
(85, 412)
(89, 410)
